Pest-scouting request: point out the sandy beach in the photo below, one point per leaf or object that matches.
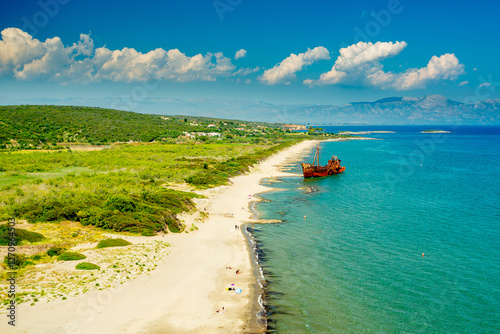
(189, 285)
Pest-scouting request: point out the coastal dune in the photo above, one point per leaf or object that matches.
(189, 285)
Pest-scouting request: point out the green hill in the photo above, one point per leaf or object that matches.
(37, 126)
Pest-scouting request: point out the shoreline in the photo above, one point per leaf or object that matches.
(189, 285)
(258, 317)
(260, 311)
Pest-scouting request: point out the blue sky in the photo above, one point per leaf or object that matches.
(312, 52)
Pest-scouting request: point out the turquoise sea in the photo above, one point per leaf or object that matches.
(406, 240)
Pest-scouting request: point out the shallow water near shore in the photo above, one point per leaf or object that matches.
(405, 241)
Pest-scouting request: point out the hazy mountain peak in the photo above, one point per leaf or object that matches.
(432, 101)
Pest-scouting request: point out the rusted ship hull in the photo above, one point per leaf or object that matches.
(318, 171)
(315, 170)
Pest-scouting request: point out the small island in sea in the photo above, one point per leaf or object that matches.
(434, 131)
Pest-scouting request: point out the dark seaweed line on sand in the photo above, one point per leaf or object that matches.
(264, 279)
(266, 309)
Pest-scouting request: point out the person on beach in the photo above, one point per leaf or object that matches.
(237, 272)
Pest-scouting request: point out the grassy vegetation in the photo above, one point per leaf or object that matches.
(87, 266)
(20, 236)
(113, 243)
(19, 177)
(127, 188)
(71, 256)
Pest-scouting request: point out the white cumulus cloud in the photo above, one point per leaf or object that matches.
(363, 53)
(284, 72)
(240, 54)
(444, 67)
(360, 64)
(27, 58)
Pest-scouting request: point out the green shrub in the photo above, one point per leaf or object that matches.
(16, 261)
(148, 233)
(113, 243)
(121, 203)
(37, 257)
(53, 251)
(71, 256)
(87, 266)
(20, 234)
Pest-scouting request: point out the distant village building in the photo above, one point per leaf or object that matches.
(295, 127)
(193, 135)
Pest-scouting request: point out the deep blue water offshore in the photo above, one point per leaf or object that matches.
(355, 264)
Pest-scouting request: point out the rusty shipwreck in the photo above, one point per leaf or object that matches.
(315, 170)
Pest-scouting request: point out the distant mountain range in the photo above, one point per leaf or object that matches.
(430, 109)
